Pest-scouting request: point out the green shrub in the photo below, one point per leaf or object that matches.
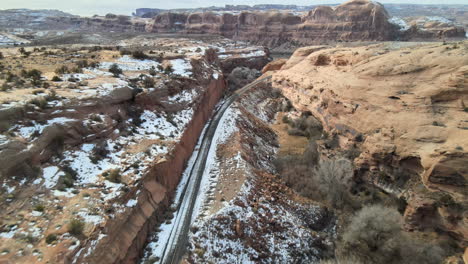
(139, 55)
(56, 79)
(39, 208)
(76, 227)
(51, 238)
(115, 70)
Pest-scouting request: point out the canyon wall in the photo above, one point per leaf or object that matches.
(401, 109)
(127, 235)
(356, 20)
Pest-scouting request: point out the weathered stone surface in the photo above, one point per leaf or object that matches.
(355, 20)
(407, 103)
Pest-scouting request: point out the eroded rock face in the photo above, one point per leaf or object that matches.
(355, 20)
(404, 109)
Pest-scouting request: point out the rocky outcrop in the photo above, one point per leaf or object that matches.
(353, 20)
(274, 65)
(404, 109)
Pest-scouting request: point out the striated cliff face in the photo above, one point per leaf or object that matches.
(128, 234)
(356, 20)
(402, 106)
(353, 20)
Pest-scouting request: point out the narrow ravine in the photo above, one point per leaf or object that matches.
(173, 244)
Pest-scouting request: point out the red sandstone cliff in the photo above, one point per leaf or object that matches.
(356, 20)
(404, 110)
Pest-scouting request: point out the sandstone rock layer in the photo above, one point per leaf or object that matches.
(403, 105)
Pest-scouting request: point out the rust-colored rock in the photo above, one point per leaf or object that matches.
(406, 105)
(355, 20)
(274, 65)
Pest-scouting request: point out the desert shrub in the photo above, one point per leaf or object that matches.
(148, 82)
(111, 16)
(305, 126)
(95, 118)
(10, 77)
(114, 176)
(39, 207)
(152, 71)
(4, 126)
(33, 74)
(125, 52)
(334, 180)
(94, 64)
(73, 79)
(168, 70)
(39, 102)
(329, 181)
(38, 91)
(56, 79)
(115, 70)
(436, 123)
(311, 154)
(6, 87)
(374, 235)
(100, 151)
(321, 60)
(65, 181)
(62, 70)
(51, 238)
(296, 132)
(82, 64)
(139, 55)
(76, 227)
(77, 70)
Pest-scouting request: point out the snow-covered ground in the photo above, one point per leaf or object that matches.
(6, 39)
(246, 53)
(181, 67)
(227, 126)
(127, 63)
(399, 22)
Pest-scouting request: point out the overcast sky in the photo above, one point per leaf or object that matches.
(90, 7)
